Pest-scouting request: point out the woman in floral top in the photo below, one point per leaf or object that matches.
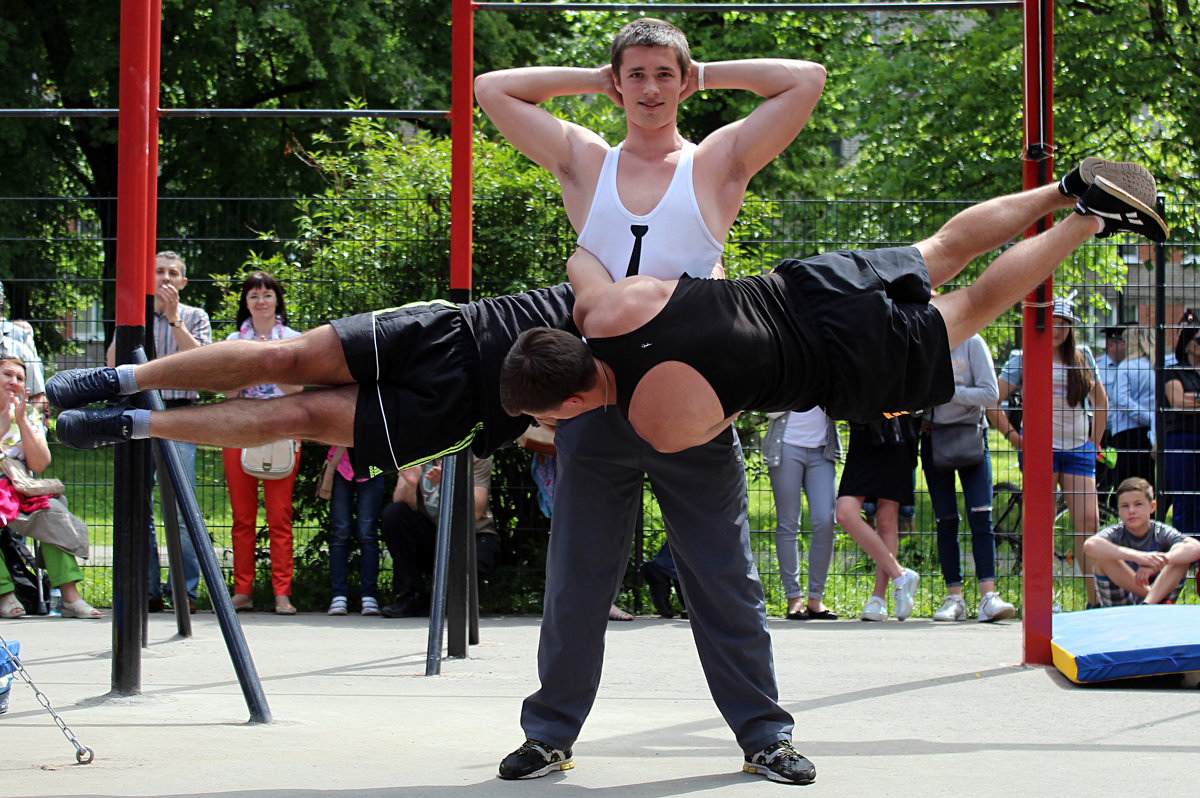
(24, 439)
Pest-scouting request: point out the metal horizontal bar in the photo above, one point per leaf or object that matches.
(243, 113)
(667, 8)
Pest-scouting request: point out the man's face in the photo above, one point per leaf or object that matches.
(1135, 510)
(650, 83)
(168, 270)
(1115, 349)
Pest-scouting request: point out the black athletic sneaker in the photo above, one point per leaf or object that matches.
(80, 387)
(781, 762)
(1134, 178)
(92, 428)
(534, 759)
(1121, 211)
(660, 590)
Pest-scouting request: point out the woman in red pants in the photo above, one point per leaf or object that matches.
(261, 316)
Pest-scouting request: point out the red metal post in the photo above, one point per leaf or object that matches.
(131, 479)
(133, 144)
(1038, 514)
(462, 128)
(155, 49)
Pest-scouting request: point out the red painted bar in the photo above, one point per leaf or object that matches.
(1038, 516)
(133, 142)
(462, 111)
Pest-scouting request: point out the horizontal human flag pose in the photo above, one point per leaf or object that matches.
(856, 332)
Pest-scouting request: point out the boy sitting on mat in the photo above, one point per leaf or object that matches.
(1140, 560)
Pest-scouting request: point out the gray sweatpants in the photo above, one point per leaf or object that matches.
(702, 493)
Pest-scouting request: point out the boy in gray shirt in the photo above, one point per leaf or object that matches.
(1140, 560)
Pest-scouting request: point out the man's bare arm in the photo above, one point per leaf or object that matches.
(731, 155)
(512, 100)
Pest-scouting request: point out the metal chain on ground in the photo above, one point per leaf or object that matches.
(83, 754)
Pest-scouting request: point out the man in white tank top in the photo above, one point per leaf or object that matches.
(653, 199)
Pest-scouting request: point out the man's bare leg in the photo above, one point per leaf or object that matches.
(986, 227)
(323, 415)
(1011, 276)
(314, 358)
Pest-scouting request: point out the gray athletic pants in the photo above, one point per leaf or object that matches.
(702, 492)
(808, 469)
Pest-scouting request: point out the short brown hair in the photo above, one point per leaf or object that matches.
(650, 32)
(543, 368)
(1136, 485)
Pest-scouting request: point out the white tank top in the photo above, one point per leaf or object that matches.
(673, 237)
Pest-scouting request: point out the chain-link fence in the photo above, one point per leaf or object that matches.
(53, 255)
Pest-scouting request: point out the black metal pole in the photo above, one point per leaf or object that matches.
(166, 494)
(1160, 377)
(441, 564)
(130, 547)
(235, 640)
(458, 582)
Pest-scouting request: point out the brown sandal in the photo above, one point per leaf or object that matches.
(283, 606)
(243, 602)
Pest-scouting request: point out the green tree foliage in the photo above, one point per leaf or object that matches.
(215, 53)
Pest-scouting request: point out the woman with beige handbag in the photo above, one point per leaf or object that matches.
(262, 316)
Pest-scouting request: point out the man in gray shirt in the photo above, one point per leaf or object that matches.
(177, 328)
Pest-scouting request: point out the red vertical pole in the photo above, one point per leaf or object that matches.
(152, 77)
(1038, 515)
(462, 128)
(133, 144)
(131, 476)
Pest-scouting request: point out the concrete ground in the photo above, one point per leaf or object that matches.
(892, 709)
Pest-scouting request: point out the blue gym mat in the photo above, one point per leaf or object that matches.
(1121, 642)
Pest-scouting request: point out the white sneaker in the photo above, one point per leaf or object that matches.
(904, 593)
(876, 610)
(994, 608)
(952, 609)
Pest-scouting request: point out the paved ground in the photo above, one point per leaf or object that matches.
(908, 709)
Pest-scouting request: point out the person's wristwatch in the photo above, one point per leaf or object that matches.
(174, 323)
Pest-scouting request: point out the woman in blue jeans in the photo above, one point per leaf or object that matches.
(975, 388)
(1181, 430)
(354, 508)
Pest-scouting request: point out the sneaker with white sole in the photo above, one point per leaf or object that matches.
(534, 759)
(875, 610)
(904, 593)
(952, 609)
(1121, 211)
(781, 762)
(994, 608)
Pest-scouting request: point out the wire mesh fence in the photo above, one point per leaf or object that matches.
(55, 255)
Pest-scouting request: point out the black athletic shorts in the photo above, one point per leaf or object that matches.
(418, 375)
(885, 346)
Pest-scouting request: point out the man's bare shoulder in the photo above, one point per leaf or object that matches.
(626, 305)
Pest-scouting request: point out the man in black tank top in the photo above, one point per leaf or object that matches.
(856, 332)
